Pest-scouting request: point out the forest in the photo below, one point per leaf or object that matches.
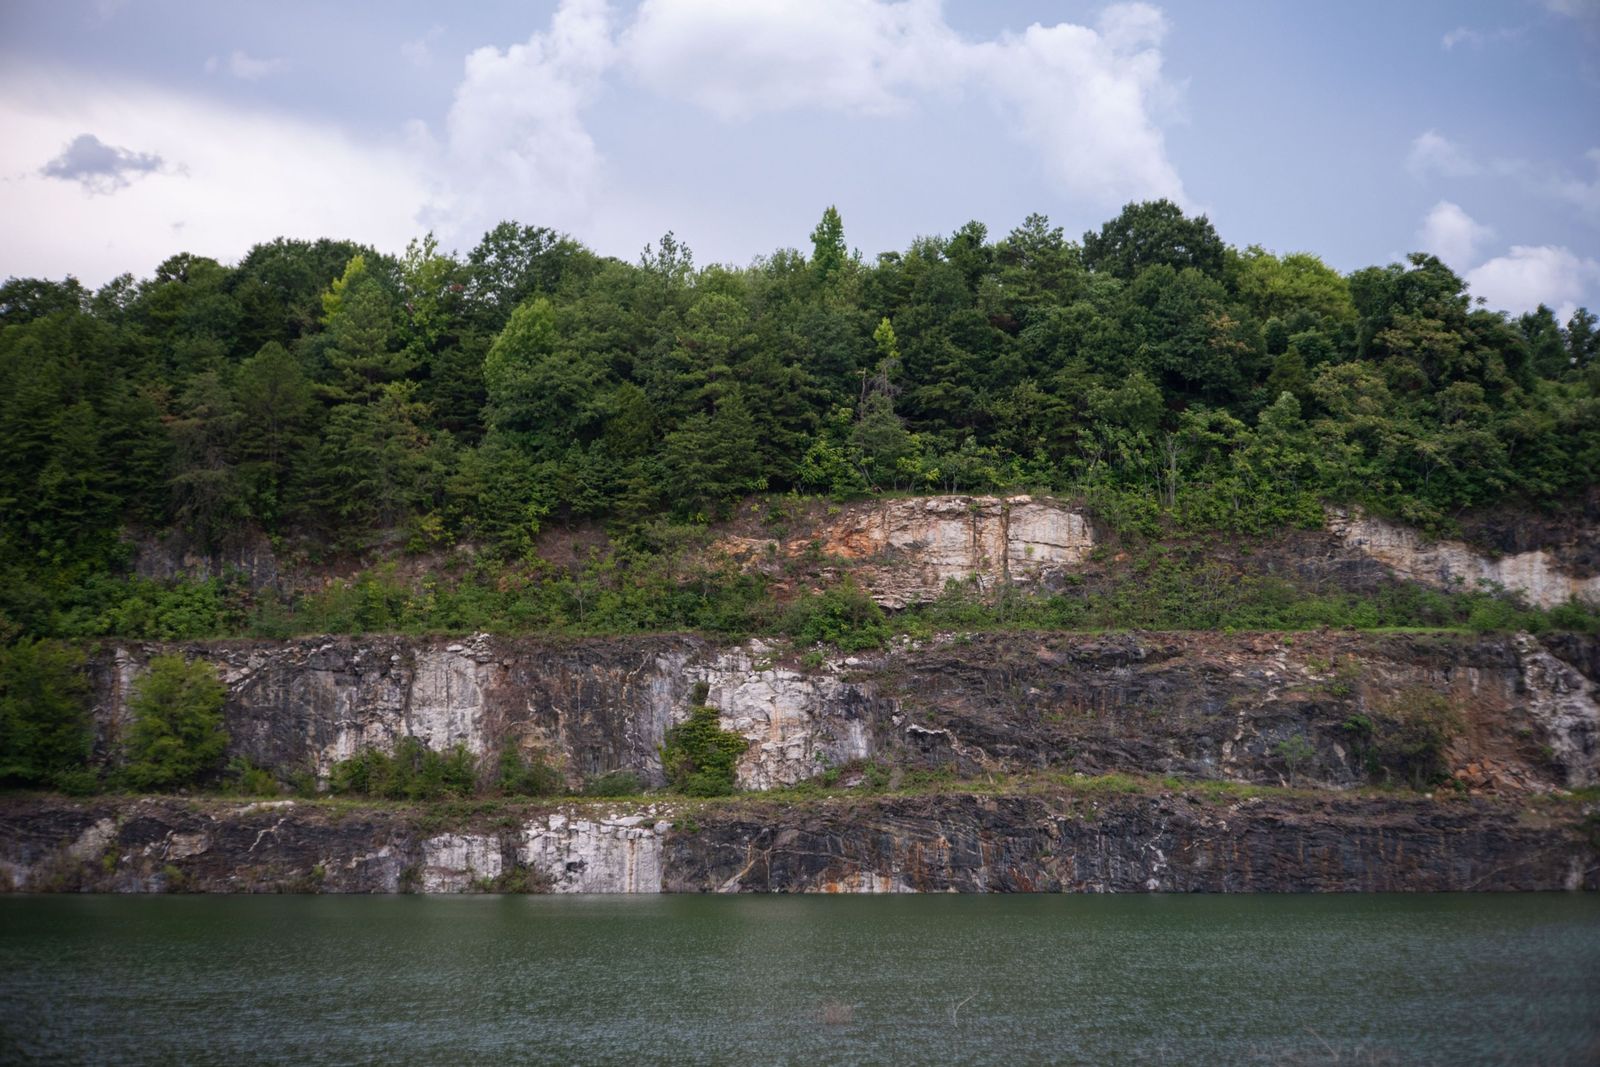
(334, 397)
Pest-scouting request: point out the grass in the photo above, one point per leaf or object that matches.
(508, 811)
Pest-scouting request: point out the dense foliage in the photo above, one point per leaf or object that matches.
(177, 733)
(412, 771)
(45, 736)
(330, 395)
(699, 757)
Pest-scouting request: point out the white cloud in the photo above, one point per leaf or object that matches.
(1087, 97)
(1466, 35)
(419, 52)
(1433, 153)
(737, 59)
(246, 177)
(515, 145)
(1532, 275)
(1581, 194)
(1452, 235)
(244, 66)
(1577, 9)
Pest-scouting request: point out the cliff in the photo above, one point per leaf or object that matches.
(1517, 712)
(1046, 840)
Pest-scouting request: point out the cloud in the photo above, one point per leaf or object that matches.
(1432, 153)
(1452, 235)
(244, 66)
(1532, 275)
(1466, 35)
(1087, 97)
(1581, 194)
(247, 177)
(1577, 9)
(419, 52)
(737, 59)
(99, 167)
(515, 144)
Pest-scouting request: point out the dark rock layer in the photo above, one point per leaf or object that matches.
(1087, 841)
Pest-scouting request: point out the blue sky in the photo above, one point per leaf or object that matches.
(1360, 130)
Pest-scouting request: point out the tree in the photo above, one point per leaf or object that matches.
(375, 462)
(178, 733)
(514, 262)
(540, 391)
(1151, 233)
(714, 458)
(699, 757)
(207, 495)
(828, 253)
(275, 412)
(44, 713)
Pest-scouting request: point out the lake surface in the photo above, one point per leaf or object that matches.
(803, 980)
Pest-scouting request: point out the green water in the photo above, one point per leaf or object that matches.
(803, 980)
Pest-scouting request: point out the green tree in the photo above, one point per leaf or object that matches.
(275, 414)
(541, 392)
(699, 757)
(1152, 233)
(178, 733)
(713, 458)
(44, 713)
(828, 253)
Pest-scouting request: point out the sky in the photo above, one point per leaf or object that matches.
(131, 130)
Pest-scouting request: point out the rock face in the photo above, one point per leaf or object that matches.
(1255, 708)
(1537, 575)
(905, 551)
(1170, 842)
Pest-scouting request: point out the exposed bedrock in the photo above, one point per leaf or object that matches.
(1170, 842)
(905, 550)
(1301, 708)
(1543, 577)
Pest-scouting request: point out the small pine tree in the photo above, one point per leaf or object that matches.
(177, 733)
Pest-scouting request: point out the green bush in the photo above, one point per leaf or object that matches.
(45, 737)
(531, 776)
(843, 615)
(412, 772)
(699, 757)
(613, 784)
(1404, 742)
(177, 734)
(245, 779)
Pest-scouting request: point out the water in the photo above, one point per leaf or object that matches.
(803, 980)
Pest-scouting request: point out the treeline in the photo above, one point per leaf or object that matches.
(324, 391)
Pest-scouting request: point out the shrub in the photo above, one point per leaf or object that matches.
(45, 737)
(531, 777)
(699, 757)
(1295, 752)
(843, 615)
(177, 731)
(245, 779)
(1405, 741)
(613, 784)
(412, 772)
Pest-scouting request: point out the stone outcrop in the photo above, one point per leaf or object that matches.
(904, 551)
(1257, 708)
(1036, 842)
(1537, 576)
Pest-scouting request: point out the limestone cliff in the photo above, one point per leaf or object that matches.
(1538, 576)
(1253, 708)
